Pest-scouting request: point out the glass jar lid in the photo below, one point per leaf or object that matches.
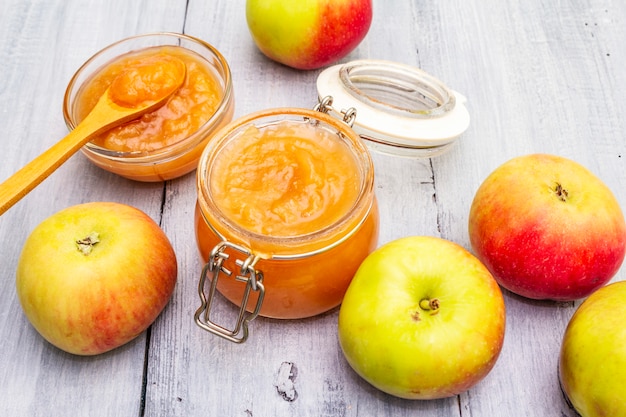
(400, 109)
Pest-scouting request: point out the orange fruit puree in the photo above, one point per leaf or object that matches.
(188, 109)
(154, 77)
(285, 180)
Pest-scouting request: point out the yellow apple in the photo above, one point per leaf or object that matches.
(94, 276)
(592, 361)
(422, 319)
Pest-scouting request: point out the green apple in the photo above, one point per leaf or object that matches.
(592, 361)
(94, 276)
(308, 34)
(422, 319)
(547, 228)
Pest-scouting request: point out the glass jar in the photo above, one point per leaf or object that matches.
(285, 214)
(167, 149)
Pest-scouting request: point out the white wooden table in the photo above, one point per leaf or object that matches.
(539, 75)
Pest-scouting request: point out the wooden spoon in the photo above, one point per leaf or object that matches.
(116, 106)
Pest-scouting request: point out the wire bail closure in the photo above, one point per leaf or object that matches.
(325, 105)
(247, 273)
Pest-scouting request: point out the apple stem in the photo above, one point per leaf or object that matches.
(561, 192)
(86, 244)
(428, 304)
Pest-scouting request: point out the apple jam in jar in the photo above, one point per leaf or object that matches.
(285, 214)
(167, 142)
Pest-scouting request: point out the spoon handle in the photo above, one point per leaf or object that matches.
(32, 174)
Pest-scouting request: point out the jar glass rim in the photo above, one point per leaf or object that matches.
(292, 245)
(397, 88)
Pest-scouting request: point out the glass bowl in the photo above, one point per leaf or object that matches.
(175, 155)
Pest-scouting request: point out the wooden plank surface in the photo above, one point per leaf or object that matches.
(540, 76)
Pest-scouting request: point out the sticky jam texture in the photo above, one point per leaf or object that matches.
(285, 179)
(151, 79)
(184, 113)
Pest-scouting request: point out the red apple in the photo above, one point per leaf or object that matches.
(592, 361)
(308, 34)
(94, 276)
(547, 228)
(422, 319)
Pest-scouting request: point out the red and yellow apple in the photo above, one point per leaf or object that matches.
(592, 361)
(422, 319)
(308, 34)
(94, 276)
(547, 228)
